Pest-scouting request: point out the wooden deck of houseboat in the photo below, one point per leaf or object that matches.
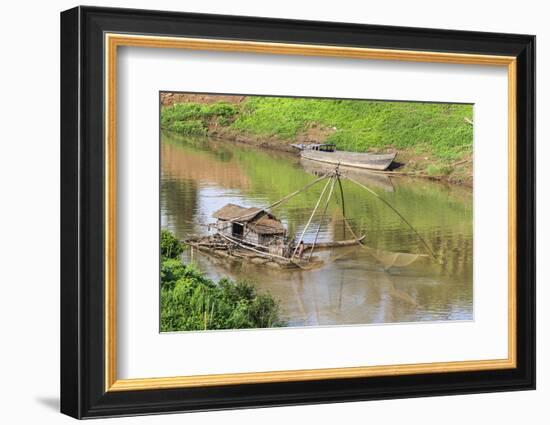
(223, 247)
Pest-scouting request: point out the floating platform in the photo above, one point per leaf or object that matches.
(218, 246)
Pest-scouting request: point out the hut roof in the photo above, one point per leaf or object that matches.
(232, 212)
(267, 225)
(260, 221)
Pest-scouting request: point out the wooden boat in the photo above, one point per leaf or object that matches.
(369, 161)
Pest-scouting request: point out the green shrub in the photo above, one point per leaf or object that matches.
(171, 270)
(193, 118)
(190, 301)
(189, 128)
(220, 109)
(170, 246)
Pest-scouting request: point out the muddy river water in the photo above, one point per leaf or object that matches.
(355, 285)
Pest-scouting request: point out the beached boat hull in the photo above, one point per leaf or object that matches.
(378, 162)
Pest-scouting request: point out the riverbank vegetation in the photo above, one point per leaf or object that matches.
(191, 301)
(432, 139)
(359, 126)
(195, 118)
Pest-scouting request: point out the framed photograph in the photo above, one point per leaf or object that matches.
(261, 212)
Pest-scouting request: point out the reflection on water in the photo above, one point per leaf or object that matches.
(199, 176)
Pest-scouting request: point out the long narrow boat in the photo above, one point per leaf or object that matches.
(369, 161)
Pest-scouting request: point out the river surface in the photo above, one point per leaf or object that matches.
(355, 285)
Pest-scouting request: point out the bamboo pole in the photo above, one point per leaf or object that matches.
(240, 244)
(265, 254)
(322, 217)
(235, 240)
(343, 201)
(372, 192)
(286, 198)
(336, 244)
(346, 223)
(345, 220)
(307, 186)
(310, 218)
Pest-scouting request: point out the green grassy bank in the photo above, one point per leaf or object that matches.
(190, 301)
(432, 139)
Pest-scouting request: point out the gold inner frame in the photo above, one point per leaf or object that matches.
(113, 41)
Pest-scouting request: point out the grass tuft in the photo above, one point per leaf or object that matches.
(194, 118)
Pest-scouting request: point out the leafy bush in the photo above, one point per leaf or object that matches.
(220, 109)
(171, 270)
(170, 246)
(191, 301)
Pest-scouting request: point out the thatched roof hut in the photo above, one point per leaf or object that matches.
(232, 212)
(252, 224)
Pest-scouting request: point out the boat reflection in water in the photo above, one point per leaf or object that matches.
(373, 180)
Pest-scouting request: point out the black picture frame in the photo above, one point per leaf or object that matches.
(82, 212)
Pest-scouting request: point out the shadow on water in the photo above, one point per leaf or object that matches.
(199, 176)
